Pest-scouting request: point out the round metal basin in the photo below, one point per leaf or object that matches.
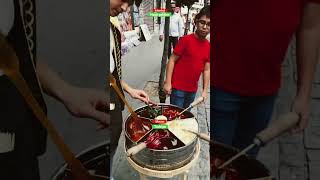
(160, 159)
(95, 159)
(246, 167)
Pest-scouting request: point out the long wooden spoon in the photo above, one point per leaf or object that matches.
(133, 114)
(202, 136)
(116, 88)
(141, 126)
(9, 63)
(193, 104)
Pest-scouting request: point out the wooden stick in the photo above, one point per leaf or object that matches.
(135, 149)
(194, 103)
(134, 114)
(200, 135)
(116, 88)
(236, 156)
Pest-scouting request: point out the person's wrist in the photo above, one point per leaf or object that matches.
(204, 94)
(63, 92)
(302, 98)
(303, 94)
(130, 91)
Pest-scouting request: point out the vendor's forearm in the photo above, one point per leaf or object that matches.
(308, 49)
(51, 82)
(125, 86)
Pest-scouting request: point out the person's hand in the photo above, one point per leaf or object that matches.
(87, 103)
(139, 94)
(204, 95)
(161, 38)
(300, 105)
(167, 88)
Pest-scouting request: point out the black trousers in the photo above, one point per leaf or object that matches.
(21, 163)
(17, 166)
(172, 44)
(116, 122)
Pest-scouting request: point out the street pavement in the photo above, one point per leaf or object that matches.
(141, 69)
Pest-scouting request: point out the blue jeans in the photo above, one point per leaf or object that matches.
(181, 98)
(237, 119)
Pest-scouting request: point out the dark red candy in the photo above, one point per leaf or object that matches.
(232, 174)
(159, 139)
(229, 172)
(171, 114)
(134, 128)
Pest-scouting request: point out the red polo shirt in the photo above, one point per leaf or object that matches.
(193, 54)
(250, 40)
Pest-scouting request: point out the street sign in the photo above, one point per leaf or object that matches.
(145, 32)
(160, 126)
(159, 14)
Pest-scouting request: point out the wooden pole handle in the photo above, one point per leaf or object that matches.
(279, 126)
(135, 149)
(116, 88)
(204, 137)
(201, 135)
(197, 101)
(194, 103)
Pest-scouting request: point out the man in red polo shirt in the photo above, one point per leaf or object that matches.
(190, 58)
(249, 45)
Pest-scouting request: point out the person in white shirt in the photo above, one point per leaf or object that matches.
(117, 7)
(176, 28)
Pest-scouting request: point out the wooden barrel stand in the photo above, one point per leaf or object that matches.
(182, 171)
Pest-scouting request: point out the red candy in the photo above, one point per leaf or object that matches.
(157, 139)
(229, 172)
(171, 114)
(134, 128)
(154, 139)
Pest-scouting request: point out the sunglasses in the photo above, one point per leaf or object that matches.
(203, 23)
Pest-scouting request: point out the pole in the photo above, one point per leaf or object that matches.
(162, 94)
